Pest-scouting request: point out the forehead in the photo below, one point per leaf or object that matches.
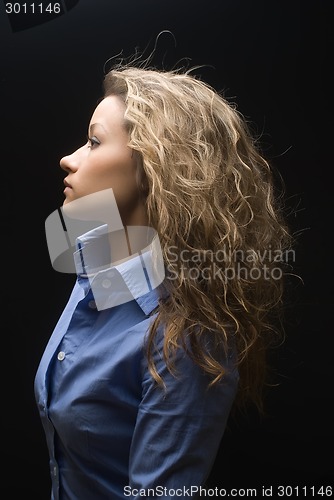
(109, 112)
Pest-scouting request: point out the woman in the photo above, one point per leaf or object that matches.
(135, 394)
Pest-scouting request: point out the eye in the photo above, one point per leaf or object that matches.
(93, 142)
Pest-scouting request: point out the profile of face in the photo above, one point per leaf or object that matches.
(105, 162)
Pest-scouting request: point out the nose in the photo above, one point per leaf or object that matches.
(70, 163)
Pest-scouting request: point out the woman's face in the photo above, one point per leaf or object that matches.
(106, 161)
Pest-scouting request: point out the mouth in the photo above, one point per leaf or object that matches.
(67, 185)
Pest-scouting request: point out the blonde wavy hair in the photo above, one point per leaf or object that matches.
(210, 196)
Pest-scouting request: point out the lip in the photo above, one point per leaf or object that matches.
(67, 185)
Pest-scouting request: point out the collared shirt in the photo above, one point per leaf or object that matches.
(111, 432)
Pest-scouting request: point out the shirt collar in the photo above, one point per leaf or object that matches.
(139, 277)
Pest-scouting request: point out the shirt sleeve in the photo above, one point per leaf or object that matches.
(178, 430)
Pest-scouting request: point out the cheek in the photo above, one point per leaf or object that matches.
(121, 177)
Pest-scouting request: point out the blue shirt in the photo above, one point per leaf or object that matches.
(111, 432)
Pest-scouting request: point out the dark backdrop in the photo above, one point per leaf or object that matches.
(271, 58)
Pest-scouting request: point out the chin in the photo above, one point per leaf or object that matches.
(68, 198)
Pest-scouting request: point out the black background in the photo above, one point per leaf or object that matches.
(270, 57)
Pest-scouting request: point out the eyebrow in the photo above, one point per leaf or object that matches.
(93, 125)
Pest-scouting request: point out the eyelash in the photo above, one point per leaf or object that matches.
(93, 141)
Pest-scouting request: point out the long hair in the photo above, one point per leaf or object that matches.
(210, 195)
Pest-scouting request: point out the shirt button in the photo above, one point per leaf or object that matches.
(61, 355)
(54, 471)
(92, 304)
(106, 283)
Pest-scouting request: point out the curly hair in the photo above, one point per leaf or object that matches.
(210, 195)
